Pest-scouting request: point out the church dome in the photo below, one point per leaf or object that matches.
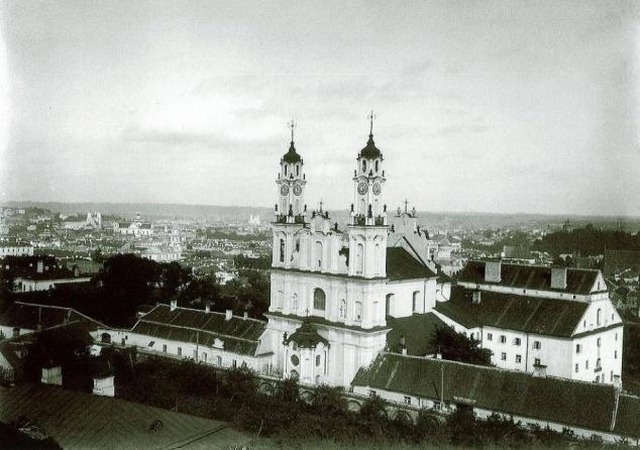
(306, 336)
(370, 151)
(291, 156)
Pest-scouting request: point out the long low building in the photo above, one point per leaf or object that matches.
(219, 339)
(590, 410)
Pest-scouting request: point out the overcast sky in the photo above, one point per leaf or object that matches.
(481, 106)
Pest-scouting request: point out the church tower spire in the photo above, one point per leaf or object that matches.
(291, 182)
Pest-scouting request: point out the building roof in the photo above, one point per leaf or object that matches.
(306, 336)
(545, 316)
(77, 420)
(291, 156)
(402, 266)
(416, 330)
(30, 315)
(370, 151)
(238, 334)
(579, 281)
(545, 398)
(619, 260)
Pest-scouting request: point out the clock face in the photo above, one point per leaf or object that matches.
(376, 189)
(362, 187)
(297, 189)
(284, 189)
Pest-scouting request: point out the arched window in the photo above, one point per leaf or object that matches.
(376, 165)
(598, 316)
(294, 375)
(319, 299)
(297, 169)
(388, 303)
(416, 301)
(281, 250)
(294, 302)
(364, 166)
(599, 342)
(358, 311)
(376, 258)
(317, 360)
(318, 255)
(359, 259)
(285, 169)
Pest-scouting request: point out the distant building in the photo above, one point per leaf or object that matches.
(254, 220)
(137, 228)
(620, 263)
(7, 249)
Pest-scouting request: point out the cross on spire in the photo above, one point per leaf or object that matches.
(291, 125)
(371, 116)
(406, 202)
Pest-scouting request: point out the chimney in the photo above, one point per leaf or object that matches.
(559, 278)
(16, 332)
(477, 297)
(173, 305)
(404, 351)
(493, 271)
(228, 314)
(104, 386)
(245, 316)
(617, 384)
(40, 266)
(52, 375)
(540, 371)
(207, 307)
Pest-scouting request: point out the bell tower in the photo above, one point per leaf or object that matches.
(290, 209)
(368, 217)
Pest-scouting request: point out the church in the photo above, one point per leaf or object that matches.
(333, 289)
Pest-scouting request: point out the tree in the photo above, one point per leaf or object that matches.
(328, 400)
(288, 390)
(457, 347)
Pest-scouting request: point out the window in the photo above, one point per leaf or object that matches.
(407, 400)
(364, 166)
(219, 360)
(489, 336)
(372, 393)
(319, 299)
(586, 364)
(234, 363)
(615, 354)
(319, 254)
(577, 368)
(285, 170)
(616, 336)
(281, 250)
(195, 354)
(518, 359)
(598, 364)
(377, 165)
(537, 345)
(517, 341)
(416, 301)
(611, 376)
(343, 308)
(164, 348)
(297, 169)
(318, 361)
(152, 343)
(503, 356)
(358, 310)
(536, 362)
(578, 348)
(179, 351)
(599, 342)
(503, 339)
(598, 316)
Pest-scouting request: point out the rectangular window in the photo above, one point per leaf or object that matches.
(234, 364)
(489, 337)
(577, 368)
(615, 354)
(503, 339)
(503, 356)
(518, 359)
(219, 360)
(586, 364)
(179, 351)
(537, 345)
(536, 362)
(517, 341)
(164, 348)
(578, 348)
(407, 400)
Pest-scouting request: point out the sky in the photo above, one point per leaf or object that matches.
(479, 106)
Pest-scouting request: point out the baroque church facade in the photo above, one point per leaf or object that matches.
(332, 289)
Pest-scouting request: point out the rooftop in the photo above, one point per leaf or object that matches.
(552, 317)
(416, 330)
(402, 266)
(30, 315)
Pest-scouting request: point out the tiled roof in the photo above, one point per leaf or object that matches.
(579, 281)
(580, 404)
(402, 266)
(416, 329)
(552, 317)
(77, 420)
(197, 326)
(29, 315)
(306, 336)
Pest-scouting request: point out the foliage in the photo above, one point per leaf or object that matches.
(244, 262)
(457, 347)
(587, 241)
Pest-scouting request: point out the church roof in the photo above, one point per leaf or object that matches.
(416, 331)
(370, 151)
(545, 398)
(402, 266)
(554, 317)
(579, 281)
(291, 156)
(306, 336)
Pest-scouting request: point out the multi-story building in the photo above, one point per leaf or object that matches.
(531, 316)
